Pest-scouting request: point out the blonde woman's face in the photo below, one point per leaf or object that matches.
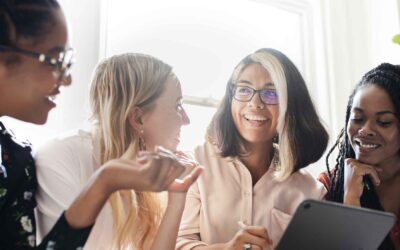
(255, 120)
(162, 123)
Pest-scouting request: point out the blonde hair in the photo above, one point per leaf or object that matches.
(302, 138)
(120, 83)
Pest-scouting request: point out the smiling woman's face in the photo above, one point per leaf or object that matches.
(373, 128)
(255, 120)
(29, 86)
(162, 123)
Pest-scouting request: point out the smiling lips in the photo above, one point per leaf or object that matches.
(255, 120)
(51, 98)
(366, 145)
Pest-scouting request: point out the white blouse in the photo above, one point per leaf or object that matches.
(64, 165)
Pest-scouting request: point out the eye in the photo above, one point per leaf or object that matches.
(243, 91)
(356, 120)
(384, 123)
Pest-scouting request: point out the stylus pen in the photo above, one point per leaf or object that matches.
(241, 224)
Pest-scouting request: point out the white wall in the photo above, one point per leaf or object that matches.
(359, 35)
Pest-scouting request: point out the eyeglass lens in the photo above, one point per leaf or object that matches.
(245, 94)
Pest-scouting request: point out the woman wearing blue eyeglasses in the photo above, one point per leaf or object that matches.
(34, 64)
(265, 131)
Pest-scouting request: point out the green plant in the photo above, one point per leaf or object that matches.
(396, 39)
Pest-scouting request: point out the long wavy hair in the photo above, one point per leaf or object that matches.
(119, 84)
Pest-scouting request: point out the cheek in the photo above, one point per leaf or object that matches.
(351, 130)
(274, 111)
(235, 112)
(393, 137)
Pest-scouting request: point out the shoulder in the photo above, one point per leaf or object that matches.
(208, 154)
(71, 141)
(324, 179)
(306, 183)
(206, 151)
(72, 147)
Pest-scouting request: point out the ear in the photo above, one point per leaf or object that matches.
(135, 118)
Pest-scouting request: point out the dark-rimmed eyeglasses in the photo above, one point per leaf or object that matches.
(63, 63)
(246, 93)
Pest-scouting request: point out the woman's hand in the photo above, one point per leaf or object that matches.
(152, 171)
(354, 173)
(189, 176)
(256, 236)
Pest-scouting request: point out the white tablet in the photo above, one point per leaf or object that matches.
(328, 225)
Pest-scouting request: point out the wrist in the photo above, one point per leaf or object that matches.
(103, 181)
(350, 199)
(176, 200)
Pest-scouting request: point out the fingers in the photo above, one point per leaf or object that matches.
(359, 169)
(246, 236)
(184, 184)
(260, 232)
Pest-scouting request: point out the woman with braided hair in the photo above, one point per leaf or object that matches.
(367, 170)
(34, 63)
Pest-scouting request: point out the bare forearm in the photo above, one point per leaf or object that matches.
(351, 200)
(168, 230)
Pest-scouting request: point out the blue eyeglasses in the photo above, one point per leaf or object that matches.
(63, 63)
(245, 94)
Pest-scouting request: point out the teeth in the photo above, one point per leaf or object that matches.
(52, 97)
(365, 145)
(255, 118)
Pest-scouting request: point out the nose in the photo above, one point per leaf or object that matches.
(185, 117)
(256, 102)
(367, 130)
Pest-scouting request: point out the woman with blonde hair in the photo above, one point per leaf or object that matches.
(264, 133)
(35, 63)
(137, 114)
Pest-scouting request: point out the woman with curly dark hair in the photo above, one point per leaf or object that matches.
(367, 170)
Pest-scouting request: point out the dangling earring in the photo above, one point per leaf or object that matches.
(142, 143)
(275, 139)
(275, 145)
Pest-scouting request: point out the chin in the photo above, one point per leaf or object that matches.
(367, 160)
(37, 119)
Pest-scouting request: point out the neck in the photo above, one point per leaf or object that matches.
(258, 159)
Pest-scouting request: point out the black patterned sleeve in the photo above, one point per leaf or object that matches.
(62, 236)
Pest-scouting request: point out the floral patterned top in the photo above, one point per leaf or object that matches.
(18, 184)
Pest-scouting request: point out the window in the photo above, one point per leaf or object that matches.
(203, 41)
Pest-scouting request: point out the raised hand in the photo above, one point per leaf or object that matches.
(354, 173)
(189, 176)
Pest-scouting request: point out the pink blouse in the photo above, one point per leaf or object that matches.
(224, 194)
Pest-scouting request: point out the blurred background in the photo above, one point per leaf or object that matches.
(333, 43)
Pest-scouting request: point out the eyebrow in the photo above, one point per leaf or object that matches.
(378, 113)
(267, 84)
